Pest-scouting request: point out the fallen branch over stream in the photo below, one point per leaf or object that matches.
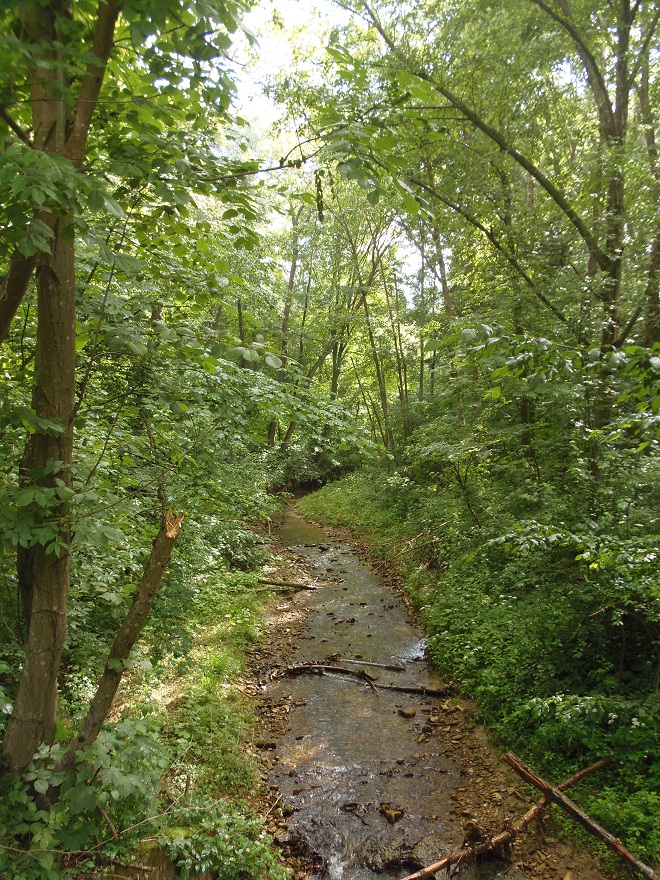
(362, 675)
(554, 794)
(505, 838)
(393, 667)
(288, 585)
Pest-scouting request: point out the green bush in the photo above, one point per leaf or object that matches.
(213, 836)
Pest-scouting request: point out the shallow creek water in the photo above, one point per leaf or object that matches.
(369, 790)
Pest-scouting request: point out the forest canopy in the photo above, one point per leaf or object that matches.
(441, 298)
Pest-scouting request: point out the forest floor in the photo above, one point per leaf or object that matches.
(488, 789)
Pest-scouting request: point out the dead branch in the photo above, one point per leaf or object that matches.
(505, 837)
(108, 821)
(554, 794)
(143, 868)
(289, 585)
(392, 667)
(418, 689)
(324, 669)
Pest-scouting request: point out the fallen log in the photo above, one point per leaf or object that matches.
(392, 667)
(555, 795)
(323, 669)
(505, 837)
(418, 689)
(289, 585)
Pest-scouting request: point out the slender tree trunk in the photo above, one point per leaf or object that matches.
(397, 306)
(289, 434)
(652, 323)
(126, 638)
(284, 330)
(444, 286)
(13, 288)
(422, 321)
(372, 413)
(388, 440)
(303, 320)
(395, 324)
(615, 131)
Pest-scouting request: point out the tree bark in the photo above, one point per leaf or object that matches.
(126, 638)
(44, 568)
(21, 269)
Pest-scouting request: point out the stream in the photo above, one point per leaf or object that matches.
(363, 772)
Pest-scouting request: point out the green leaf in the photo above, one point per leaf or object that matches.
(411, 205)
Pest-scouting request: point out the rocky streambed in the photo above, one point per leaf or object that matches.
(380, 769)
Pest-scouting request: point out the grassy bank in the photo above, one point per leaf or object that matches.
(529, 620)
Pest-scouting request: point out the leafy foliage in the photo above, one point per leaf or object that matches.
(214, 837)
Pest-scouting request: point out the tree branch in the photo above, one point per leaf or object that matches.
(108, 13)
(634, 73)
(13, 288)
(15, 127)
(594, 76)
(601, 258)
(557, 797)
(492, 238)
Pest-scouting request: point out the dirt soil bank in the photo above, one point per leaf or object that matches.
(485, 789)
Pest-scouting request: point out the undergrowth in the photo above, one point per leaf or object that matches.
(170, 770)
(554, 631)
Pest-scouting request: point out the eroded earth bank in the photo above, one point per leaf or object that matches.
(378, 770)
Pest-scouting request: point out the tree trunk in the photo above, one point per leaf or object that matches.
(652, 323)
(422, 321)
(43, 569)
(13, 288)
(41, 25)
(402, 384)
(388, 440)
(284, 346)
(127, 636)
(444, 286)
